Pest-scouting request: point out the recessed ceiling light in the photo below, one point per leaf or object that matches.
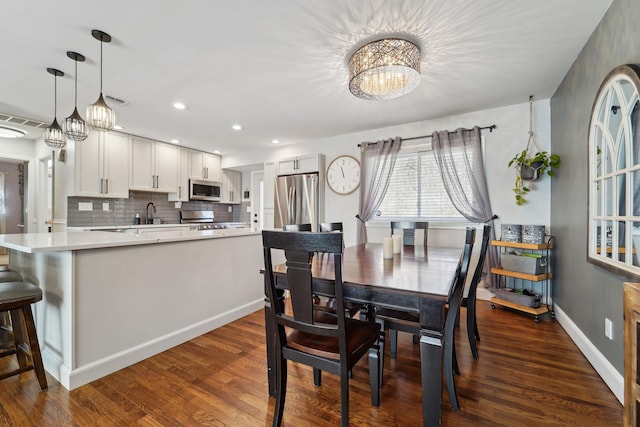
(236, 127)
(179, 106)
(275, 141)
(118, 127)
(8, 132)
(175, 141)
(216, 151)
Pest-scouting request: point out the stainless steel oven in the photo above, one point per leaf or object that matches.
(204, 190)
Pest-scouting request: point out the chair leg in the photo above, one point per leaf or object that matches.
(34, 347)
(281, 389)
(393, 342)
(344, 398)
(374, 375)
(317, 377)
(18, 336)
(416, 339)
(472, 329)
(456, 369)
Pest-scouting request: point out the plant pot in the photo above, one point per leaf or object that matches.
(530, 173)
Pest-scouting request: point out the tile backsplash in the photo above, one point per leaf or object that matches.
(123, 211)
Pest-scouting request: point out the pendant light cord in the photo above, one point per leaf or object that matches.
(531, 138)
(76, 94)
(101, 66)
(55, 96)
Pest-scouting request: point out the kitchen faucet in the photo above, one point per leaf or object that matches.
(150, 213)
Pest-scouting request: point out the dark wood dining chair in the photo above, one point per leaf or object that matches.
(470, 300)
(330, 226)
(408, 230)
(395, 320)
(329, 343)
(297, 227)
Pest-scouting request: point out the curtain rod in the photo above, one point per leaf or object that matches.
(491, 128)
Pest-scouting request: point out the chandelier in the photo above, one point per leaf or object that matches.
(53, 135)
(384, 69)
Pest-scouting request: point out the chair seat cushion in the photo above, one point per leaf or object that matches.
(10, 276)
(360, 336)
(12, 292)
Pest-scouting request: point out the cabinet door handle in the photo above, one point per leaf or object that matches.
(106, 181)
(157, 181)
(101, 185)
(179, 191)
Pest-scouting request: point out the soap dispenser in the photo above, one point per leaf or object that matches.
(136, 220)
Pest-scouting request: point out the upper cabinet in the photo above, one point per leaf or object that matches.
(182, 193)
(300, 164)
(100, 166)
(205, 166)
(154, 166)
(231, 187)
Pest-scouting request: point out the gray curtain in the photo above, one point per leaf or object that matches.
(476, 206)
(376, 164)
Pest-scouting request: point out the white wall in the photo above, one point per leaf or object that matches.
(502, 144)
(23, 150)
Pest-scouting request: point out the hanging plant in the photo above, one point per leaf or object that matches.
(530, 166)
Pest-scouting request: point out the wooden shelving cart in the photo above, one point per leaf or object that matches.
(542, 283)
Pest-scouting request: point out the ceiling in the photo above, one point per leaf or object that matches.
(278, 67)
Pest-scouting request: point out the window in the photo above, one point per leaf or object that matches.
(416, 189)
(614, 174)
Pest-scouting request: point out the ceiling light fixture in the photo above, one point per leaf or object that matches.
(275, 141)
(99, 115)
(74, 126)
(9, 132)
(53, 135)
(175, 141)
(118, 127)
(236, 127)
(179, 106)
(384, 69)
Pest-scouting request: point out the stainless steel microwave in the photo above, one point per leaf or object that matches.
(204, 190)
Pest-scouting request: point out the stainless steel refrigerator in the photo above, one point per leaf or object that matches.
(297, 200)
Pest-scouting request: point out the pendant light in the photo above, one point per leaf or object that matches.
(99, 115)
(74, 126)
(53, 135)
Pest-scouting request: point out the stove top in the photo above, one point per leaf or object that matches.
(203, 220)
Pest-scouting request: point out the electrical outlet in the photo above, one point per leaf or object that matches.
(105, 206)
(230, 209)
(608, 328)
(85, 206)
(249, 209)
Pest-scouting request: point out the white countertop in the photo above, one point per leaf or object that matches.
(78, 240)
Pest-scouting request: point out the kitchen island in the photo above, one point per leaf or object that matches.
(112, 299)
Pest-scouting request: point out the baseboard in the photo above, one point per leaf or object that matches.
(608, 373)
(85, 374)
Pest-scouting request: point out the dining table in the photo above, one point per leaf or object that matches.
(417, 280)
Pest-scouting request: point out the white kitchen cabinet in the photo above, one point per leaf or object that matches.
(154, 166)
(231, 187)
(100, 166)
(205, 166)
(182, 194)
(300, 164)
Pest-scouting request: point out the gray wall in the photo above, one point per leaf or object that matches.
(586, 293)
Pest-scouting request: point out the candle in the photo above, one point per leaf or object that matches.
(397, 244)
(387, 247)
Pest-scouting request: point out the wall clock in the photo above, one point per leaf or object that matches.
(343, 174)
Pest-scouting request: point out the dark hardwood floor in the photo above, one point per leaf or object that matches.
(528, 375)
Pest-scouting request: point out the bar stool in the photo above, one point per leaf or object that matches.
(16, 298)
(6, 336)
